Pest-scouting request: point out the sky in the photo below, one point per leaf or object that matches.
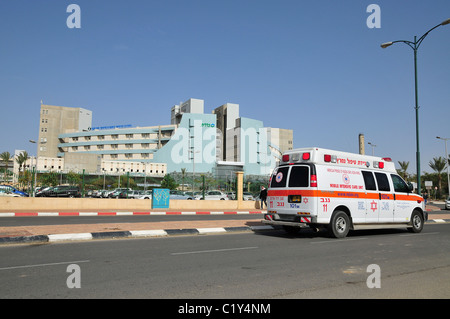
(313, 66)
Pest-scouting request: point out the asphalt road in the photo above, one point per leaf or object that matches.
(66, 220)
(74, 220)
(247, 265)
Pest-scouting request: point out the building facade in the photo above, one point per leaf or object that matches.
(55, 120)
(194, 142)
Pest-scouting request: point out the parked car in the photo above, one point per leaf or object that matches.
(231, 195)
(115, 193)
(447, 203)
(60, 191)
(179, 195)
(43, 191)
(248, 196)
(11, 191)
(213, 195)
(135, 194)
(146, 195)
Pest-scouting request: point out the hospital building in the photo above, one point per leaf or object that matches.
(217, 142)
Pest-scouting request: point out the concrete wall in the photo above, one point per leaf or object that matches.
(42, 204)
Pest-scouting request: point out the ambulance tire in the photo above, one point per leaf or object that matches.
(417, 222)
(339, 225)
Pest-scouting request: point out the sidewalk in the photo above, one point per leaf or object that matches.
(67, 232)
(55, 233)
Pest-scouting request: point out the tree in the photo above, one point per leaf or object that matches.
(21, 160)
(5, 158)
(403, 169)
(49, 179)
(169, 182)
(438, 165)
(74, 178)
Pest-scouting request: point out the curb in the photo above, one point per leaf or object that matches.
(54, 214)
(129, 234)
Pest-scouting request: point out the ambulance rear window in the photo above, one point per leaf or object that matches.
(279, 177)
(299, 176)
(369, 181)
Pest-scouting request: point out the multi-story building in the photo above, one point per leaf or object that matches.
(55, 120)
(117, 144)
(194, 141)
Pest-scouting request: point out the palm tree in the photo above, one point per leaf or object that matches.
(438, 165)
(403, 169)
(21, 160)
(5, 158)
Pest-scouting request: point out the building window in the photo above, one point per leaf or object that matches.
(115, 136)
(129, 135)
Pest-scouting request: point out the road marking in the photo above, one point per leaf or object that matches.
(43, 265)
(212, 251)
(408, 235)
(336, 241)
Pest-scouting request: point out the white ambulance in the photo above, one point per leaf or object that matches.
(340, 191)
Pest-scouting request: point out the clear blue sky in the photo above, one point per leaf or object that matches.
(311, 66)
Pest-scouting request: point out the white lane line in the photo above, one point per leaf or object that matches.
(336, 241)
(212, 251)
(421, 234)
(43, 265)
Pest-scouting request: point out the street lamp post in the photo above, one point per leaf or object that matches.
(415, 46)
(446, 159)
(373, 146)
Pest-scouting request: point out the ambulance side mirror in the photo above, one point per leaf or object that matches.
(410, 187)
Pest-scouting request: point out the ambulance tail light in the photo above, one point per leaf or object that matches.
(329, 158)
(313, 181)
(378, 165)
(285, 158)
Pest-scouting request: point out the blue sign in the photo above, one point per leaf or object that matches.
(160, 198)
(111, 127)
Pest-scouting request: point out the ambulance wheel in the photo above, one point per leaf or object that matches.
(339, 225)
(416, 222)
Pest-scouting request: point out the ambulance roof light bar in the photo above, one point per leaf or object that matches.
(330, 158)
(296, 157)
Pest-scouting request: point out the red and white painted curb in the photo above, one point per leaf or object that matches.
(53, 214)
